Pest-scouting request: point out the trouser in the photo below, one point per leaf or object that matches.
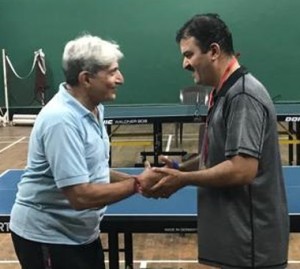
(35, 255)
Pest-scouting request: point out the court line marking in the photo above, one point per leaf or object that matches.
(7, 142)
(143, 262)
(11, 137)
(143, 265)
(12, 144)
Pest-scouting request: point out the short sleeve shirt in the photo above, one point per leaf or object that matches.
(68, 146)
(239, 226)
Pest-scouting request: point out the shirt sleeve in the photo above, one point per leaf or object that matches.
(245, 126)
(65, 152)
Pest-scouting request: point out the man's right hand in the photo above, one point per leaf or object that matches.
(148, 177)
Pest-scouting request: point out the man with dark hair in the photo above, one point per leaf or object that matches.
(243, 217)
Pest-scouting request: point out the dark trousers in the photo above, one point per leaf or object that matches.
(34, 255)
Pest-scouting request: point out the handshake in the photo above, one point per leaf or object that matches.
(155, 182)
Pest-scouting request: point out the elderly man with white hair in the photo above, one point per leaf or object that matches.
(67, 183)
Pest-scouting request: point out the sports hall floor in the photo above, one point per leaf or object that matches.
(151, 251)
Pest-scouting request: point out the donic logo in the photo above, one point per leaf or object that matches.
(292, 119)
(108, 122)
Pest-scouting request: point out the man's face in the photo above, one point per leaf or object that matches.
(104, 83)
(196, 61)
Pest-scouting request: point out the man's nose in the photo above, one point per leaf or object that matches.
(186, 64)
(120, 78)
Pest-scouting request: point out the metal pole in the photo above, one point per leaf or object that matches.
(6, 115)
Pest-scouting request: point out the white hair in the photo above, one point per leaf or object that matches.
(88, 53)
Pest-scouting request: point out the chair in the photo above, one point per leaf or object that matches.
(197, 95)
(194, 95)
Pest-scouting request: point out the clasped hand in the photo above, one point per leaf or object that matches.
(158, 182)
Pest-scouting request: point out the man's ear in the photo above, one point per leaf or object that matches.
(215, 51)
(84, 79)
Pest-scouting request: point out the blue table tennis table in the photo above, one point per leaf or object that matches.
(158, 114)
(141, 215)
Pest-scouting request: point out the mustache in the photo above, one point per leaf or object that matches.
(189, 68)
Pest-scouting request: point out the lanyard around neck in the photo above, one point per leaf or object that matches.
(222, 80)
(204, 147)
(226, 72)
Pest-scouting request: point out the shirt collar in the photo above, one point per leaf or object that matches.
(232, 79)
(76, 105)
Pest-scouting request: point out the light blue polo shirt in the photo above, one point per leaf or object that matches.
(68, 146)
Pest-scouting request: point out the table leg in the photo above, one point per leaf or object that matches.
(113, 250)
(298, 145)
(128, 249)
(157, 143)
(108, 129)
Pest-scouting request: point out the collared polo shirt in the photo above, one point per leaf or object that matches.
(67, 146)
(244, 226)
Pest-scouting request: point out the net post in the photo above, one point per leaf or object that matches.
(4, 118)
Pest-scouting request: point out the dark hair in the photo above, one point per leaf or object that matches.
(207, 29)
